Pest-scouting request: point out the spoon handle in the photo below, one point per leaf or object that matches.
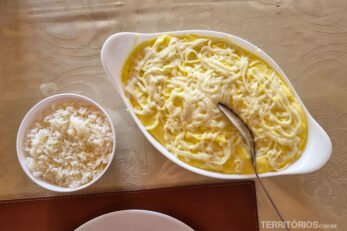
(270, 199)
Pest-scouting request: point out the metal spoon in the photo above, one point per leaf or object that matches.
(247, 136)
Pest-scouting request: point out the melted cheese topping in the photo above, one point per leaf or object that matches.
(174, 84)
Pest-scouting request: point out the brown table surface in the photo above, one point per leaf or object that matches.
(50, 47)
(211, 207)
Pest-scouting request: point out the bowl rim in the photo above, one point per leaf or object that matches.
(133, 38)
(28, 120)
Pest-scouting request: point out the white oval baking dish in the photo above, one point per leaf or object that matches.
(117, 48)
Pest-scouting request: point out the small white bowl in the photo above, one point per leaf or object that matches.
(32, 115)
(118, 47)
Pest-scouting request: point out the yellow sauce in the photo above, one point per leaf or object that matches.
(239, 155)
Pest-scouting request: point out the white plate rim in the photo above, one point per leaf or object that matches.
(133, 212)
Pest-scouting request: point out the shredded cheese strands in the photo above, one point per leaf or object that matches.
(175, 83)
